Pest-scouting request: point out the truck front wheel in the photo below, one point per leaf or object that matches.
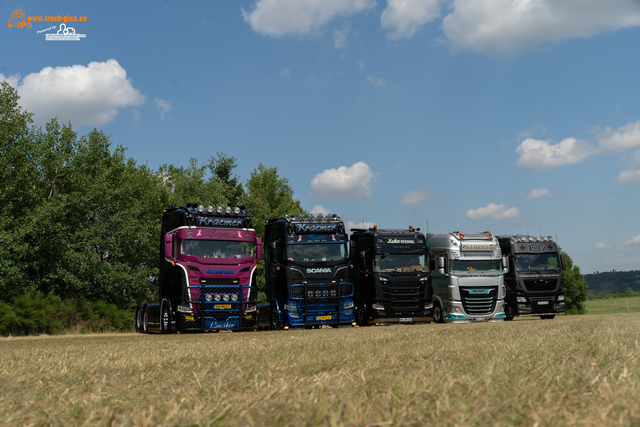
(361, 315)
(275, 320)
(437, 313)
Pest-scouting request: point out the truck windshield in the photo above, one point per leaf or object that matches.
(537, 262)
(216, 248)
(314, 252)
(404, 263)
(476, 267)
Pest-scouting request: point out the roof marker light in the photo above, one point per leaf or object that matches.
(462, 235)
(411, 228)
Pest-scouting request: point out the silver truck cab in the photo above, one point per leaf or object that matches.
(468, 283)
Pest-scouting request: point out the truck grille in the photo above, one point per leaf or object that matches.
(479, 300)
(323, 299)
(404, 296)
(534, 285)
(232, 303)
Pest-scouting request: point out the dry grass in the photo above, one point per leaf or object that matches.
(574, 370)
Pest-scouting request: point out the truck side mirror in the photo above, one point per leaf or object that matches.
(505, 264)
(563, 262)
(432, 262)
(168, 246)
(272, 251)
(352, 248)
(259, 244)
(442, 264)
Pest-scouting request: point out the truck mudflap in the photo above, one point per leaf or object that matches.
(319, 303)
(222, 307)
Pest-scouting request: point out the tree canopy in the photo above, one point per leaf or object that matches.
(575, 287)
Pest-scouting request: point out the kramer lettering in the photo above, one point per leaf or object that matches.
(221, 222)
(317, 228)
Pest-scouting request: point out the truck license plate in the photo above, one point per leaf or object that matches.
(323, 318)
(480, 319)
(543, 302)
(222, 306)
(405, 319)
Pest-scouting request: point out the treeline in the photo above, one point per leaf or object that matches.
(612, 282)
(80, 220)
(629, 293)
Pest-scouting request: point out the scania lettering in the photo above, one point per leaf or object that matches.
(535, 286)
(468, 285)
(207, 275)
(392, 278)
(307, 265)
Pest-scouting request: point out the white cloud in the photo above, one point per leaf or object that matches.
(11, 80)
(88, 95)
(317, 209)
(402, 18)
(163, 106)
(361, 65)
(625, 138)
(538, 154)
(511, 25)
(416, 198)
(346, 182)
(495, 212)
(603, 246)
(349, 225)
(539, 193)
(340, 37)
(279, 17)
(633, 241)
(286, 72)
(376, 82)
(628, 177)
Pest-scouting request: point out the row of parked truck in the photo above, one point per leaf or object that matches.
(317, 275)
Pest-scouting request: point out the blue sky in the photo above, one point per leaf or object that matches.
(511, 116)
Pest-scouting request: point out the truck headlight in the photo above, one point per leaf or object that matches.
(290, 307)
(348, 304)
(455, 309)
(250, 308)
(561, 297)
(428, 306)
(521, 299)
(185, 309)
(377, 306)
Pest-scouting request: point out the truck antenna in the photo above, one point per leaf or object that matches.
(427, 225)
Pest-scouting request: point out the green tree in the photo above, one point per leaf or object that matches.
(267, 195)
(191, 185)
(221, 168)
(575, 287)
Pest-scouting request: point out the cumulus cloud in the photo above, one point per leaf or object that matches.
(346, 182)
(539, 193)
(494, 211)
(541, 154)
(340, 37)
(402, 18)
(510, 25)
(376, 82)
(603, 246)
(11, 80)
(538, 154)
(280, 17)
(163, 106)
(416, 198)
(319, 209)
(88, 95)
(633, 241)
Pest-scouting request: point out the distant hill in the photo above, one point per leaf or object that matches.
(612, 282)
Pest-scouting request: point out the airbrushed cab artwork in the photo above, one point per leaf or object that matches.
(307, 268)
(207, 280)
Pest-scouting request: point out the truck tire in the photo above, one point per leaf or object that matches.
(549, 316)
(137, 319)
(361, 314)
(275, 321)
(165, 318)
(145, 321)
(437, 313)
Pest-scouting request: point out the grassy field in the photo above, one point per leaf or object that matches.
(614, 305)
(573, 370)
